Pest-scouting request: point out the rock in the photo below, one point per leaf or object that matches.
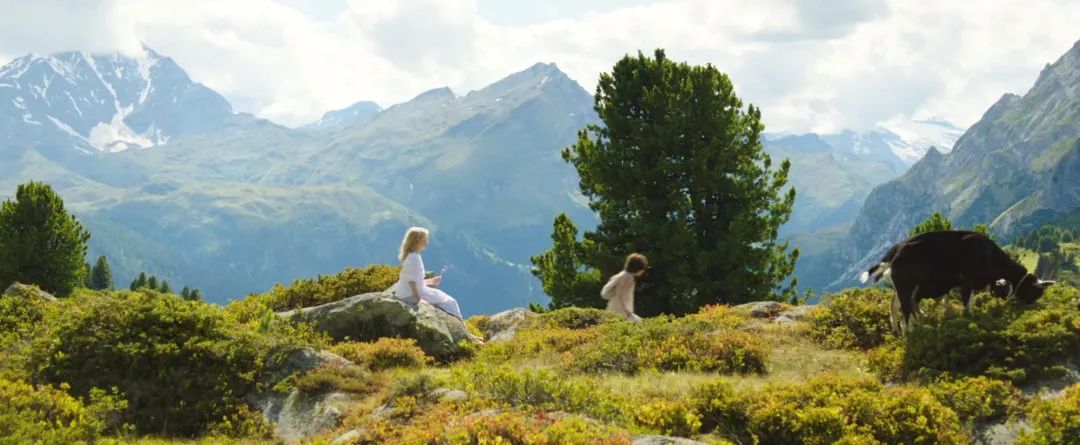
(299, 415)
(664, 440)
(763, 309)
(371, 316)
(450, 395)
(504, 325)
(347, 438)
(19, 289)
(796, 313)
(1004, 433)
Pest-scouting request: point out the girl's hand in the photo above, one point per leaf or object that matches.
(434, 281)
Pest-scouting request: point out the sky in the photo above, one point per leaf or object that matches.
(821, 65)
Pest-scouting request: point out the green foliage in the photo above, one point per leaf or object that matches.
(854, 318)
(195, 295)
(541, 389)
(998, 339)
(668, 418)
(165, 287)
(830, 409)
(977, 399)
(1054, 421)
(181, 366)
(935, 223)
(384, 353)
(40, 242)
(139, 282)
(326, 378)
(100, 275)
(677, 171)
(48, 415)
(594, 341)
(328, 288)
(720, 408)
(562, 272)
(152, 283)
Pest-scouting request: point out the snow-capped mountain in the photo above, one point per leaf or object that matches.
(105, 102)
(914, 137)
(900, 143)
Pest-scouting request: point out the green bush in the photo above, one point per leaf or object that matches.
(384, 353)
(334, 378)
(700, 344)
(852, 319)
(977, 399)
(827, 410)
(998, 339)
(574, 318)
(720, 407)
(324, 289)
(668, 418)
(541, 389)
(1054, 421)
(49, 415)
(181, 365)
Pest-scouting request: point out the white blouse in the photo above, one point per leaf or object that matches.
(412, 269)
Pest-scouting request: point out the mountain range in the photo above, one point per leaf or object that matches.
(172, 181)
(1018, 167)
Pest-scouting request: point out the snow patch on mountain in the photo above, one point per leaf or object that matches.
(917, 136)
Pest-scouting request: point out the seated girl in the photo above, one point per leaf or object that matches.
(411, 281)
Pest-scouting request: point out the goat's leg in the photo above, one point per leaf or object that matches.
(967, 296)
(894, 314)
(909, 318)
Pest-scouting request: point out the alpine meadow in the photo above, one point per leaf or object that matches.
(695, 222)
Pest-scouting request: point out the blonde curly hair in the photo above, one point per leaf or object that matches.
(413, 237)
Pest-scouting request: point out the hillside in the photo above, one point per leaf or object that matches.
(758, 373)
(1013, 170)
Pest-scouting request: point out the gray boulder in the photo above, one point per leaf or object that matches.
(664, 440)
(504, 325)
(19, 289)
(371, 316)
(298, 415)
(763, 309)
(796, 313)
(348, 438)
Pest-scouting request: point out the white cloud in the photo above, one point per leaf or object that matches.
(818, 66)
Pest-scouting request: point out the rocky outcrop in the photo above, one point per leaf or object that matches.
(504, 325)
(664, 440)
(763, 309)
(298, 415)
(28, 291)
(371, 316)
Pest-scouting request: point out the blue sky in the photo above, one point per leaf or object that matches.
(810, 65)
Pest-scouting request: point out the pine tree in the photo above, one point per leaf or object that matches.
(561, 271)
(677, 172)
(134, 284)
(100, 275)
(185, 293)
(87, 272)
(165, 288)
(195, 295)
(141, 282)
(40, 242)
(935, 223)
(152, 283)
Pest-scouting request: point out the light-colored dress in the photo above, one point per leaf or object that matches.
(412, 269)
(619, 292)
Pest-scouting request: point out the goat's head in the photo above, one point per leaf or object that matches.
(1031, 288)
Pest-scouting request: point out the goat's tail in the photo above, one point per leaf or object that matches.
(881, 269)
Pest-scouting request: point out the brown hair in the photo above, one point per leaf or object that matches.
(636, 262)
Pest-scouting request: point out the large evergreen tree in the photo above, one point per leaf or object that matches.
(100, 275)
(40, 242)
(152, 283)
(677, 172)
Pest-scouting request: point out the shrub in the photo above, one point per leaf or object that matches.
(855, 318)
(720, 407)
(334, 378)
(701, 344)
(887, 361)
(46, 414)
(384, 353)
(1054, 421)
(541, 389)
(575, 318)
(667, 418)
(998, 339)
(977, 399)
(181, 365)
(828, 410)
(324, 289)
